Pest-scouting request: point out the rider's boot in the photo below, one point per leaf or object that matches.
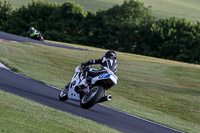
(84, 86)
(86, 90)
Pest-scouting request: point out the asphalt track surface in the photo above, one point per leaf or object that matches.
(11, 37)
(34, 90)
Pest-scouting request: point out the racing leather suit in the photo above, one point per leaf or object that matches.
(107, 64)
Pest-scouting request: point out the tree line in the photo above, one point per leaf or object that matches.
(130, 27)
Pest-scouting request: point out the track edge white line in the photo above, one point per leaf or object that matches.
(143, 119)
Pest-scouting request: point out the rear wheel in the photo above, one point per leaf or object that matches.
(89, 100)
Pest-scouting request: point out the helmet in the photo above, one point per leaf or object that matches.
(31, 28)
(110, 54)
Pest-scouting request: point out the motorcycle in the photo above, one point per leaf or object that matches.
(38, 37)
(96, 84)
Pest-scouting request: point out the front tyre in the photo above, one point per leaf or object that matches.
(41, 39)
(63, 95)
(89, 100)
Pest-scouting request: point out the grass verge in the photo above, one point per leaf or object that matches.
(163, 91)
(161, 8)
(20, 115)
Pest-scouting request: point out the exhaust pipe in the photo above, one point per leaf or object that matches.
(105, 98)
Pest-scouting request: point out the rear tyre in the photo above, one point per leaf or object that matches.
(89, 100)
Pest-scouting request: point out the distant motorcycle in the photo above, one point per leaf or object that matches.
(97, 85)
(38, 37)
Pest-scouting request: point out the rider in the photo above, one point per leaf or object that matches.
(108, 63)
(32, 33)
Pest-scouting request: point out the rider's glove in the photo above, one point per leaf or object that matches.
(83, 64)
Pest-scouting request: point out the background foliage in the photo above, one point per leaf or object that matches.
(129, 27)
(5, 11)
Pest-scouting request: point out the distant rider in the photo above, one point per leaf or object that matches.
(32, 33)
(108, 64)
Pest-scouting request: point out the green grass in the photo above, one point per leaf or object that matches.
(19, 115)
(163, 91)
(161, 8)
(175, 8)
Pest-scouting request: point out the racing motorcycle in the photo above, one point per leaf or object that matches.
(97, 86)
(38, 37)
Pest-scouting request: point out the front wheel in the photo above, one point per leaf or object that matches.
(89, 100)
(63, 95)
(41, 39)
